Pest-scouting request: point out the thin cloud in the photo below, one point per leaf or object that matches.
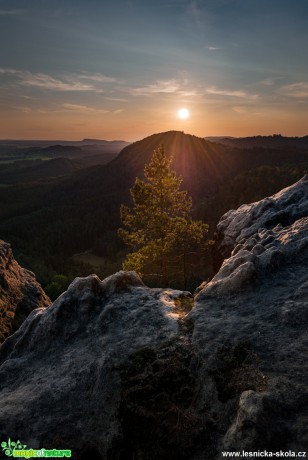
(296, 90)
(231, 93)
(196, 15)
(42, 80)
(115, 99)
(270, 81)
(172, 86)
(9, 71)
(22, 109)
(98, 77)
(213, 48)
(161, 86)
(68, 83)
(82, 109)
(181, 87)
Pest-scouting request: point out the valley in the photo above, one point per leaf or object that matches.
(54, 208)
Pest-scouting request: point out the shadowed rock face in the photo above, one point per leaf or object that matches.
(62, 372)
(20, 293)
(251, 323)
(115, 370)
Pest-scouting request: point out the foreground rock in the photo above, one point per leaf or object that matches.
(95, 371)
(251, 325)
(115, 370)
(20, 293)
(284, 208)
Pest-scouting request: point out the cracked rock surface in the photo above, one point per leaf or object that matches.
(258, 304)
(114, 370)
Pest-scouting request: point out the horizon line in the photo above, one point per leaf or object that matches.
(135, 140)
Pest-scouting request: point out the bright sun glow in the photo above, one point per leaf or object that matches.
(183, 114)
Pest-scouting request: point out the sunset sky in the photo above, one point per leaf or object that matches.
(117, 69)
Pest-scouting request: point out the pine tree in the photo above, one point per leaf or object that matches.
(159, 226)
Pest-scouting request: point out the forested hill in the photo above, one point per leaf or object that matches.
(275, 141)
(204, 165)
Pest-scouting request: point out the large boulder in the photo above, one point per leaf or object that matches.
(251, 325)
(284, 208)
(20, 293)
(95, 371)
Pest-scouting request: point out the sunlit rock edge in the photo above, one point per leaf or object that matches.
(20, 293)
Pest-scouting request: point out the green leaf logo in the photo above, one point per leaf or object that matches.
(9, 447)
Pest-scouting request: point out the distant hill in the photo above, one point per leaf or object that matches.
(70, 149)
(274, 141)
(21, 164)
(11, 143)
(201, 163)
(102, 141)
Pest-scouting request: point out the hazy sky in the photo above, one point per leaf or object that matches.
(120, 69)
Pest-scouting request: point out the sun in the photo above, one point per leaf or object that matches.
(183, 113)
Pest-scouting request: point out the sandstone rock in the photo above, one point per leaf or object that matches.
(250, 324)
(20, 293)
(71, 374)
(284, 208)
(115, 370)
